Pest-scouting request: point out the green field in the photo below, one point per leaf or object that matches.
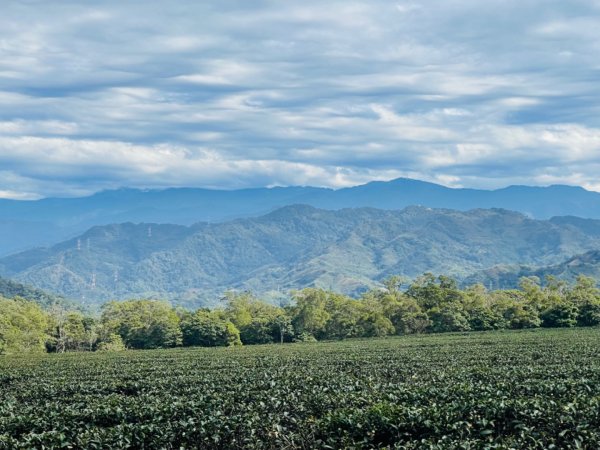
(528, 389)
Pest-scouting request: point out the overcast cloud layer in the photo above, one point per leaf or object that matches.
(229, 94)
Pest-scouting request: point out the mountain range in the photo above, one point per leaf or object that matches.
(348, 250)
(28, 224)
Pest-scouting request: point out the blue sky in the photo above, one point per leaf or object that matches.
(229, 94)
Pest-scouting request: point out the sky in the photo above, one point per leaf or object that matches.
(234, 94)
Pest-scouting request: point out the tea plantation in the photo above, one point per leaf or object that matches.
(527, 389)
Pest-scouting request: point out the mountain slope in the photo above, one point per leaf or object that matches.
(11, 289)
(26, 224)
(504, 277)
(293, 247)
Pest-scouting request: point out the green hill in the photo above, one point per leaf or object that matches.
(293, 247)
(11, 289)
(508, 276)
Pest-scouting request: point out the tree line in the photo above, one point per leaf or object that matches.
(430, 304)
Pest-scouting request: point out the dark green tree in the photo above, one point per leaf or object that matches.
(207, 329)
(560, 315)
(142, 323)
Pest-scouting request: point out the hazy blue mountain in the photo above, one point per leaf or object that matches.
(293, 247)
(27, 224)
(22, 234)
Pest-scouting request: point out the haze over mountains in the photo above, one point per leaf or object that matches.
(348, 250)
(28, 224)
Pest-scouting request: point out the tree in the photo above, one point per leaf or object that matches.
(239, 307)
(58, 317)
(23, 327)
(403, 311)
(345, 316)
(376, 324)
(232, 335)
(533, 294)
(91, 332)
(431, 292)
(586, 296)
(392, 284)
(111, 343)
(518, 315)
(143, 323)
(309, 313)
(477, 307)
(72, 331)
(589, 314)
(448, 317)
(261, 330)
(207, 329)
(258, 322)
(284, 326)
(560, 315)
(412, 322)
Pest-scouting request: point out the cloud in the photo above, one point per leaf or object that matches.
(239, 94)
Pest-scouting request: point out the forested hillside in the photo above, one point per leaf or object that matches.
(508, 276)
(11, 289)
(348, 250)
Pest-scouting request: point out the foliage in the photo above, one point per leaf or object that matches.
(449, 317)
(589, 314)
(71, 331)
(12, 289)
(205, 328)
(519, 316)
(429, 305)
(560, 315)
(535, 389)
(309, 313)
(143, 323)
(258, 322)
(23, 327)
(111, 343)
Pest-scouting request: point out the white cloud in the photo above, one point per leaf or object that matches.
(237, 94)
(20, 126)
(222, 72)
(18, 195)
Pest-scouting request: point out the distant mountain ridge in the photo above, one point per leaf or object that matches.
(27, 224)
(293, 247)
